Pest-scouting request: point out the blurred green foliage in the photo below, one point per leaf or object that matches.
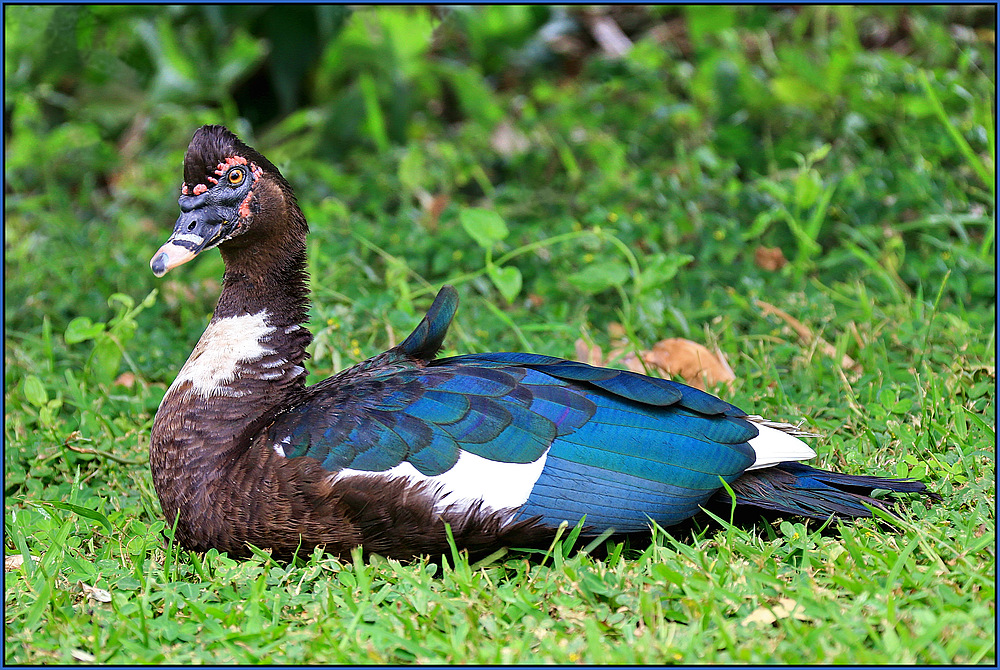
(568, 167)
(722, 128)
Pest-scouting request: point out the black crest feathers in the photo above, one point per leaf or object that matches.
(212, 145)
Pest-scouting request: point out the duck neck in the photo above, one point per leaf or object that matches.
(269, 278)
(246, 366)
(252, 351)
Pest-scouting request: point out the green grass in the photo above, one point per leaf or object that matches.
(639, 197)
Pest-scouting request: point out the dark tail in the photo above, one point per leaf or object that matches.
(793, 488)
(428, 337)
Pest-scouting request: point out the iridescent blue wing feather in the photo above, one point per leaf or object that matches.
(377, 419)
(617, 447)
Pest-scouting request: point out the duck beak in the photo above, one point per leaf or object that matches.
(195, 231)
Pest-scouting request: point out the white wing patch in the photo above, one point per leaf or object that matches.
(279, 447)
(777, 442)
(472, 479)
(225, 344)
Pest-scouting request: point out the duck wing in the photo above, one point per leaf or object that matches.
(550, 437)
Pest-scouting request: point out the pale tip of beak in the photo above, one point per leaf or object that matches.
(169, 256)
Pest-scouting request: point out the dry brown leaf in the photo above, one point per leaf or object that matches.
(432, 205)
(590, 354)
(82, 656)
(698, 366)
(14, 562)
(620, 356)
(94, 593)
(784, 608)
(769, 258)
(437, 205)
(126, 379)
(693, 362)
(616, 330)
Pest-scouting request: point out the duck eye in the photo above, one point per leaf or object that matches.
(236, 176)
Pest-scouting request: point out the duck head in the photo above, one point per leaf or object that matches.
(232, 198)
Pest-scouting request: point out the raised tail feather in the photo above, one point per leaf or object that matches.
(793, 488)
(427, 338)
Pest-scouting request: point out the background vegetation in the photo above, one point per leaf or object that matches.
(641, 162)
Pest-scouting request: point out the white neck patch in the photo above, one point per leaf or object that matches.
(224, 345)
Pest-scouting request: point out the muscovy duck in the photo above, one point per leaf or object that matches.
(501, 446)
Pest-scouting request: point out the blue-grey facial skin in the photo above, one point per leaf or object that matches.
(206, 220)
